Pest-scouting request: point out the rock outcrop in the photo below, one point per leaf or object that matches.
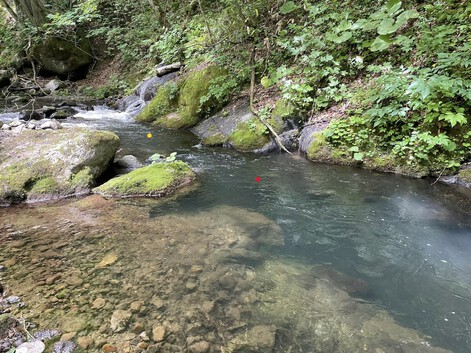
(64, 58)
(177, 104)
(237, 127)
(51, 164)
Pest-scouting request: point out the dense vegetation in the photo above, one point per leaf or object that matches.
(400, 69)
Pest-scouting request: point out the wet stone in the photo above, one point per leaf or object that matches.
(68, 336)
(46, 335)
(200, 347)
(85, 342)
(119, 320)
(259, 339)
(158, 333)
(64, 347)
(12, 299)
(98, 303)
(109, 348)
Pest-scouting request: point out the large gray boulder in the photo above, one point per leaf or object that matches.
(50, 164)
(64, 58)
(236, 126)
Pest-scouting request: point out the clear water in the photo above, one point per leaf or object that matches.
(408, 239)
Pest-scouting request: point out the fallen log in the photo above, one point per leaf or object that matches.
(161, 71)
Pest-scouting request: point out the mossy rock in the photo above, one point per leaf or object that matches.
(283, 109)
(177, 105)
(217, 139)
(465, 175)
(156, 180)
(320, 150)
(249, 136)
(164, 102)
(64, 58)
(44, 165)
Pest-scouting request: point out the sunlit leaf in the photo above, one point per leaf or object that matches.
(387, 26)
(288, 7)
(358, 156)
(379, 44)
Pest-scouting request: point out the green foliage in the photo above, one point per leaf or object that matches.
(220, 90)
(115, 86)
(11, 43)
(67, 23)
(157, 158)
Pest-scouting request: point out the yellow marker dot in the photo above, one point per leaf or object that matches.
(149, 135)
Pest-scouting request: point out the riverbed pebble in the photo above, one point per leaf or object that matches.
(31, 347)
(64, 347)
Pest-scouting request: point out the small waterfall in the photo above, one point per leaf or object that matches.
(134, 103)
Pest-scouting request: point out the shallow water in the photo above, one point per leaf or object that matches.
(398, 245)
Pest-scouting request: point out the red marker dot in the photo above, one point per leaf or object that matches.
(257, 179)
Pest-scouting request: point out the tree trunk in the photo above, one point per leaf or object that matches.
(33, 10)
(10, 10)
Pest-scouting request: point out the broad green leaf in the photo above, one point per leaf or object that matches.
(387, 26)
(358, 156)
(359, 24)
(408, 14)
(419, 87)
(449, 146)
(393, 3)
(338, 39)
(394, 9)
(288, 7)
(379, 44)
(344, 26)
(266, 82)
(354, 149)
(155, 157)
(453, 118)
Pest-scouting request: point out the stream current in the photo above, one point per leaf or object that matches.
(404, 245)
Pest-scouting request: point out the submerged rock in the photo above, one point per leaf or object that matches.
(44, 165)
(156, 180)
(119, 320)
(259, 339)
(64, 347)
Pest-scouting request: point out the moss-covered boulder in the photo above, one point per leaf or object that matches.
(64, 58)
(178, 104)
(236, 126)
(155, 180)
(51, 164)
(249, 136)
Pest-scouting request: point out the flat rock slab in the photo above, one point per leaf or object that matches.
(45, 165)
